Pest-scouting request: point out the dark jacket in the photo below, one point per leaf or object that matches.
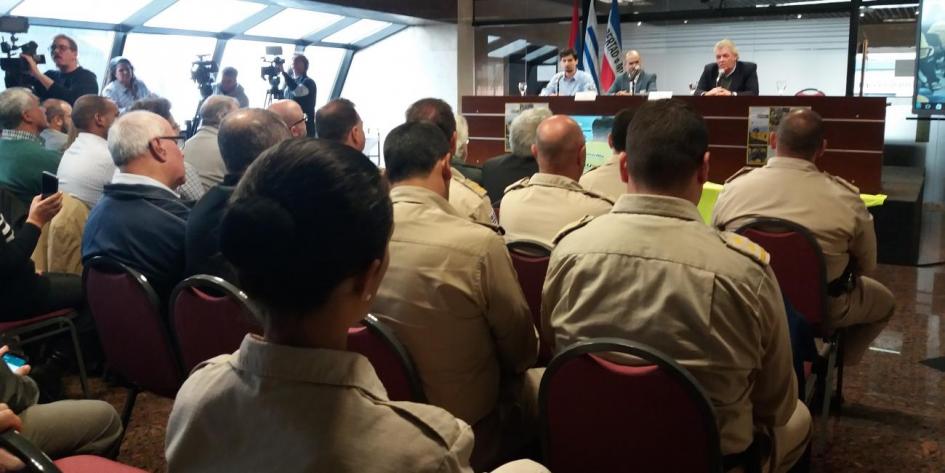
(644, 81)
(307, 101)
(20, 286)
(68, 87)
(203, 232)
(469, 171)
(504, 170)
(744, 78)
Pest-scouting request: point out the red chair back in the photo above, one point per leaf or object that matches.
(211, 317)
(132, 330)
(530, 260)
(798, 262)
(390, 359)
(597, 415)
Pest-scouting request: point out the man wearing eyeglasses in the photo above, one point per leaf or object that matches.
(70, 81)
(634, 80)
(291, 114)
(202, 150)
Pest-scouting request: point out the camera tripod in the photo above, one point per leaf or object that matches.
(274, 93)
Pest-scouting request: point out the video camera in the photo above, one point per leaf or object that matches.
(203, 73)
(15, 68)
(274, 67)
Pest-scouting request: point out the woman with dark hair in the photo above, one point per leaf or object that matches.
(123, 87)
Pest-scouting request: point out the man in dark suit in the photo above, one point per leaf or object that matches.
(727, 75)
(634, 76)
(504, 170)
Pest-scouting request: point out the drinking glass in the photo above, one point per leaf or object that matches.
(782, 87)
(522, 88)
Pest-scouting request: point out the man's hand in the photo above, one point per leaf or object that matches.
(718, 92)
(23, 370)
(43, 210)
(623, 92)
(31, 63)
(9, 420)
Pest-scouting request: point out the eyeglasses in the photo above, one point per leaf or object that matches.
(59, 47)
(303, 119)
(179, 139)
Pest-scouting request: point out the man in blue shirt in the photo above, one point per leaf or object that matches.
(571, 80)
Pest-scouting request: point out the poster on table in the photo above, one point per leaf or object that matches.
(761, 122)
(513, 110)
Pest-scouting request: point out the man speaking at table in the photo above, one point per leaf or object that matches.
(727, 75)
(570, 81)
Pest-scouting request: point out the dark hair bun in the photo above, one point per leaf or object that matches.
(257, 234)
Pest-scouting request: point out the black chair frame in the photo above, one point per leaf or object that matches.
(530, 248)
(372, 323)
(216, 286)
(34, 459)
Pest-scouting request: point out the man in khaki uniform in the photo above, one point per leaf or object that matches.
(451, 293)
(651, 271)
(536, 208)
(468, 197)
(605, 179)
(791, 187)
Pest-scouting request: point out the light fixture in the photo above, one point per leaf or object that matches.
(685, 22)
(639, 23)
(799, 16)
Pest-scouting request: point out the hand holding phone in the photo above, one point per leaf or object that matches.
(14, 362)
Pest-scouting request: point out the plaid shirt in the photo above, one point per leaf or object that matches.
(9, 134)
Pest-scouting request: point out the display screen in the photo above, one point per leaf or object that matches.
(596, 129)
(930, 58)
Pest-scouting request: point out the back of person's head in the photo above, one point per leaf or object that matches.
(462, 137)
(229, 71)
(215, 108)
(413, 149)
(618, 130)
(296, 190)
(336, 119)
(131, 135)
(600, 128)
(245, 134)
(85, 109)
(55, 108)
(158, 105)
(435, 111)
(800, 134)
(13, 102)
(560, 146)
(666, 143)
(524, 129)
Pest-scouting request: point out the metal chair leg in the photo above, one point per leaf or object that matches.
(83, 378)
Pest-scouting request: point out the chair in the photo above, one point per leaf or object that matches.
(598, 415)
(530, 259)
(133, 332)
(210, 317)
(810, 92)
(389, 357)
(45, 326)
(38, 462)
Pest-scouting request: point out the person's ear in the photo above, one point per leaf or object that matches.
(157, 151)
(624, 175)
(773, 140)
(610, 140)
(367, 283)
(453, 144)
(820, 151)
(582, 156)
(535, 150)
(704, 169)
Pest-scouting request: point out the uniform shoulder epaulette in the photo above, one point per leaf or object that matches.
(519, 184)
(595, 195)
(470, 184)
(844, 183)
(495, 228)
(746, 247)
(741, 172)
(572, 227)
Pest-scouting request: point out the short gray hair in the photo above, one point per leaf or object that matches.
(215, 108)
(130, 135)
(13, 102)
(462, 137)
(727, 44)
(524, 130)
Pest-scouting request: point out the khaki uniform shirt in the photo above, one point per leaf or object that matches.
(538, 207)
(453, 298)
(605, 179)
(651, 271)
(271, 407)
(470, 199)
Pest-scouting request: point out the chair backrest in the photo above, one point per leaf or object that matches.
(132, 329)
(598, 415)
(210, 317)
(33, 458)
(798, 262)
(390, 359)
(810, 92)
(530, 259)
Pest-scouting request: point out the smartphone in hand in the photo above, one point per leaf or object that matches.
(50, 184)
(13, 361)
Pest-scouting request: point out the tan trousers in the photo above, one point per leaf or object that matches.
(790, 440)
(72, 427)
(864, 313)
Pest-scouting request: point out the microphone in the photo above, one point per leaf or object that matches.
(558, 85)
(718, 79)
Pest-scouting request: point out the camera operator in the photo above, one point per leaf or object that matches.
(70, 81)
(301, 89)
(229, 87)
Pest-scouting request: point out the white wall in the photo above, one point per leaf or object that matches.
(387, 77)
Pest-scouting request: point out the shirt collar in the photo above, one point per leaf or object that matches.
(660, 205)
(791, 163)
(91, 138)
(423, 196)
(140, 180)
(553, 180)
(307, 365)
(17, 135)
(733, 70)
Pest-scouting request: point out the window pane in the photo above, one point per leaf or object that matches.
(323, 68)
(163, 63)
(80, 10)
(94, 47)
(293, 23)
(356, 32)
(247, 58)
(204, 15)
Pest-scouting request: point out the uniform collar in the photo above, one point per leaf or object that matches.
(422, 196)
(659, 205)
(307, 365)
(791, 163)
(554, 180)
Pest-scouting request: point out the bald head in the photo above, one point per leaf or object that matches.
(291, 114)
(559, 147)
(800, 135)
(246, 133)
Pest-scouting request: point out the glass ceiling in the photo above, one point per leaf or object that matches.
(79, 10)
(294, 23)
(204, 15)
(357, 31)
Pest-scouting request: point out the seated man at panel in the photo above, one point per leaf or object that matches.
(230, 87)
(291, 114)
(654, 273)
(22, 155)
(451, 294)
(791, 187)
(538, 207)
(728, 76)
(570, 80)
(634, 80)
(502, 171)
(202, 151)
(140, 221)
(458, 162)
(59, 121)
(243, 135)
(87, 164)
(605, 179)
(70, 81)
(339, 121)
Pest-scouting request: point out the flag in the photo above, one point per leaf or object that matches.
(612, 65)
(575, 26)
(591, 54)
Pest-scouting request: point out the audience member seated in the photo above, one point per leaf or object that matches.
(538, 207)
(468, 197)
(791, 187)
(502, 171)
(291, 114)
(140, 221)
(324, 407)
(338, 121)
(452, 297)
(243, 135)
(202, 151)
(87, 165)
(605, 179)
(61, 428)
(192, 189)
(22, 155)
(59, 124)
(470, 171)
(124, 88)
(651, 271)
